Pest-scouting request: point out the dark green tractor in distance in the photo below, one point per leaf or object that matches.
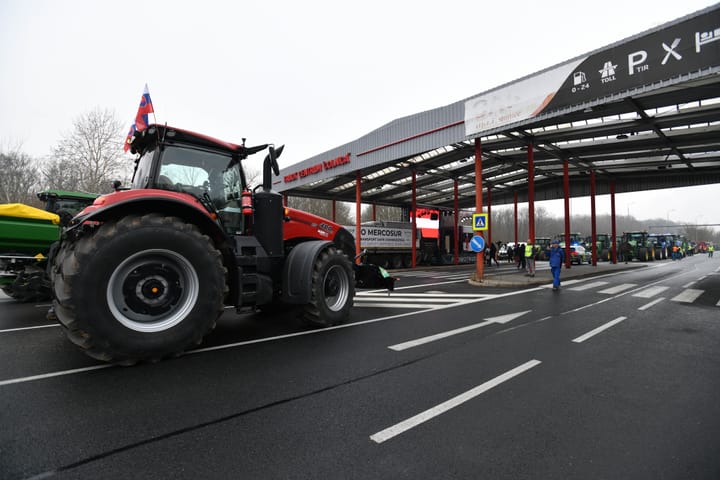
(639, 246)
(603, 241)
(65, 204)
(26, 237)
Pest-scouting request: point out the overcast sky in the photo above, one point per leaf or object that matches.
(308, 74)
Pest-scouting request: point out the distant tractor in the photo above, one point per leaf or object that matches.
(639, 246)
(66, 204)
(662, 245)
(144, 273)
(603, 243)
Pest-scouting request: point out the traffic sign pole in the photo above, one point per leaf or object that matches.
(480, 259)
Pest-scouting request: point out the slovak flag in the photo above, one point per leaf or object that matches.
(141, 119)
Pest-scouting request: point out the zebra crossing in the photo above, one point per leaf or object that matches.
(687, 295)
(439, 299)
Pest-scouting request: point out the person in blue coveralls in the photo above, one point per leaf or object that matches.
(557, 258)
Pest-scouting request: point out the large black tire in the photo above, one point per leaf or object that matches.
(139, 289)
(333, 289)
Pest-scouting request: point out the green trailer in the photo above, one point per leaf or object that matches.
(27, 235)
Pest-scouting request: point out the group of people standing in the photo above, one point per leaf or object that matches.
(524, 256)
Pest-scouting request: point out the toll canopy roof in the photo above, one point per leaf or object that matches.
(643, 112)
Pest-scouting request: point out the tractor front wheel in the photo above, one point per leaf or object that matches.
(139, 289)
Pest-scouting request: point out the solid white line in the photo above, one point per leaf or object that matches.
(296, 334)
(592, 333)
(398, 305)
(588, 286)
(397, 288)
(618, 288)
(650, 292)
(688, 296)
(425, 295)
(688, 284)
(431, 413)
(29, 328)
(53, 374)
(648, 305)
(404, 299)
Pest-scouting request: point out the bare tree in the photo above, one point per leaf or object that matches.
(323, 208)
(90, 156)
(18, 177)
(383, 213)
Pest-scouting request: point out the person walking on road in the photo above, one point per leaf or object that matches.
(710, 250)
(530, 258)
(557, 258)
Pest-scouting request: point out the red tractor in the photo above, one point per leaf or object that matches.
(144, 273)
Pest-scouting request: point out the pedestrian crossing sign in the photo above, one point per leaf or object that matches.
(480, 221)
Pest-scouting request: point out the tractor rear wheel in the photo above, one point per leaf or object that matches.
(138, 289)
(333, 289)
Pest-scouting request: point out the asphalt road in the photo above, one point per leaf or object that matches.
(615, 376)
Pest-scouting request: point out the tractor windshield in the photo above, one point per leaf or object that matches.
(191, 170)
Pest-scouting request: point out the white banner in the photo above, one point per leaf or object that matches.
(518, 101)
(383, 237)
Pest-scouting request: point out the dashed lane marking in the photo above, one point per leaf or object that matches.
(433, 412)
(601, 328)
(654, 302)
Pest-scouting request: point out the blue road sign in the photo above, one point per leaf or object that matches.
(480, 221)
(477, 243)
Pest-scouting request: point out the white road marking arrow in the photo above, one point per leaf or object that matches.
(507, 318)
(488, 321)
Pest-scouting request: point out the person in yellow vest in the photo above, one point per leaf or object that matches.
(530, 258)
(710, 250)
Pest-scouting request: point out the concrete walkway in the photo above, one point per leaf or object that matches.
(502, 277)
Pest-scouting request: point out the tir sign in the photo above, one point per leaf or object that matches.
(480, 221)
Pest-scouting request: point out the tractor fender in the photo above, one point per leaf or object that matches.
(298, 271)
(162, 204)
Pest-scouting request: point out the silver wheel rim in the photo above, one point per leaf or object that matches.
(152, 290)
(336, 287)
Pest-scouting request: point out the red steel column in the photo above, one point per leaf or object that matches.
(489, 234)
(566, 196)
(456, 233)
(516, 219)
(374, 216)
(358, 211)
(593, 220)
(413, 217)
(612, 220)
(531, 194)
(479, 262)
